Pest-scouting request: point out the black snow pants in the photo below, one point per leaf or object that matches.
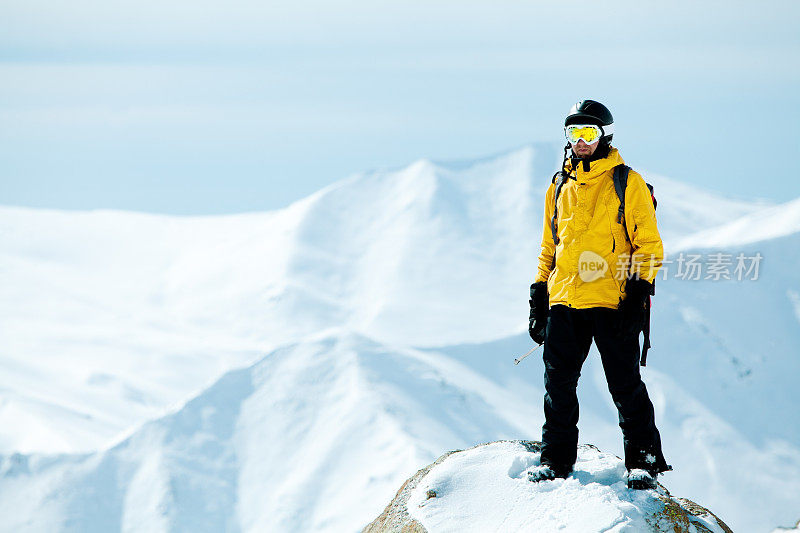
(568, 338)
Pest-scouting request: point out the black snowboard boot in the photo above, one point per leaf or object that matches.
(639, 479)
(548, 472)
(644, 465)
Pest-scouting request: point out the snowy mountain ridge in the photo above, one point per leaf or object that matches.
(771, 222)
(405, 292)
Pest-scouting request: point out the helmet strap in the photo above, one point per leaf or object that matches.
(567, 149)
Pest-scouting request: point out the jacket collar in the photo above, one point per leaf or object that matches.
(596, 167)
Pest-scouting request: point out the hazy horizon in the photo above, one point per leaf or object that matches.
(198, 108)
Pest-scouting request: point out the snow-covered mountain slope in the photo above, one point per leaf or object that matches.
(735, 343)
(311, 438)
(317, 436)
(485, 488)
(685, 208)
(108, 318)
(767, 223)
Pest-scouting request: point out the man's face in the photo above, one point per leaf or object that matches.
(582, 149)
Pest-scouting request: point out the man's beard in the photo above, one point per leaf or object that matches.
(602, 151)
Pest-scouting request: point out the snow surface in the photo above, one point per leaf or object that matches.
(487, 489)
(383, 314)
(788, 529)
(765, 224)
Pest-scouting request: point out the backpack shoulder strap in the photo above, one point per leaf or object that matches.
(652, 195)
(620, 184)
(560, 178)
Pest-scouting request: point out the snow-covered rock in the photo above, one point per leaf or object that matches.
(485, 488)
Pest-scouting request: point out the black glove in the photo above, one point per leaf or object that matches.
(540, 309)
(633, 310)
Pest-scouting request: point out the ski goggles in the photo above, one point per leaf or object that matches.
(588, 132)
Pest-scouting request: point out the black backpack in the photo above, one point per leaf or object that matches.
(620, 177)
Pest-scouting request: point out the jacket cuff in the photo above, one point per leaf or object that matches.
(640, 287)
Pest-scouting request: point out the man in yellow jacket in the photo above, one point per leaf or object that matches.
(596, 272)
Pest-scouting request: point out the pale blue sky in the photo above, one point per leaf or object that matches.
(210, 107)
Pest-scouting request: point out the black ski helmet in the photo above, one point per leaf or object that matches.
(592, 112)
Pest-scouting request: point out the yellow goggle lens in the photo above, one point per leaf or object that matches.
(589, 133)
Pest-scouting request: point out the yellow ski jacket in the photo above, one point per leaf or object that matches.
(593, 258)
